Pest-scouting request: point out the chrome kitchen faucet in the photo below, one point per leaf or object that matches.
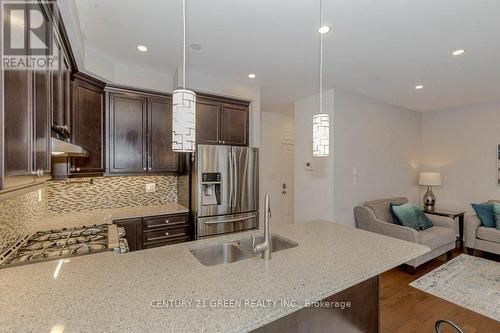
(264, 247)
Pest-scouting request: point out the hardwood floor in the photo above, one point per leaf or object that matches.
(404, 309)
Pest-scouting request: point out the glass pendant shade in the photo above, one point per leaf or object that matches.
(184, 121)
(321, 134)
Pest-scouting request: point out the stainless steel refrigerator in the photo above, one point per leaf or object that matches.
(225, 189)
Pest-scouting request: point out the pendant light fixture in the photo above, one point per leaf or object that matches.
(184, 106)
(321, 121)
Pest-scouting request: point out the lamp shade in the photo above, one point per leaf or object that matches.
(430, 179)
(184, 121)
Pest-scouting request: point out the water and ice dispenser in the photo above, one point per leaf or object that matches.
(210, 188)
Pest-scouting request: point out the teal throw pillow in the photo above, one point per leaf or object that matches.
(496, 211)
(407, 215)
(395, 218)
(423, 221)
(485, 214)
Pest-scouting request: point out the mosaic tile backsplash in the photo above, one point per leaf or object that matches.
(19, 214)
(110, 192)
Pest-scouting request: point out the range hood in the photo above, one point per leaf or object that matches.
(65, 149)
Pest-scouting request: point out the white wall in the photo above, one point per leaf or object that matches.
(462, 143)
(383, 143)
(274, 127)
(313, 189)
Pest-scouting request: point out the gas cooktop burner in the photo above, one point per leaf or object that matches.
(56, 244)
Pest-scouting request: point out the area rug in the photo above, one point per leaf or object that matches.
(471, 282)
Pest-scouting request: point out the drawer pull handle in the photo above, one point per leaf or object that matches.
(166, 234)
(167, 221)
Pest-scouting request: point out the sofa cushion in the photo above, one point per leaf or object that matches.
(381, 208)
(488, 234)
(435, 237)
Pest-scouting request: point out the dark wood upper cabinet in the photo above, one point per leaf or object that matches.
(87, 125)
(207, 121)
(26, 122)
(234, 124)
(139, 133)
(41, 111)
(160, 155)
(127, 141)
(221, 120)
(61, 88)
(18, 129)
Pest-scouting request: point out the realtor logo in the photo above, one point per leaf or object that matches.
(26, 35)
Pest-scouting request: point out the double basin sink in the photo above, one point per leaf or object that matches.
(238, 250)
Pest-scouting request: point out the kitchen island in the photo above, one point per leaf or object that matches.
(167, 289)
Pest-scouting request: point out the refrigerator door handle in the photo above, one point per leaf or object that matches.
(235, 179)
(231, 179)
(231, 220)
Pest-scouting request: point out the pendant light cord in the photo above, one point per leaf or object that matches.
(183, 44)
(320, 61)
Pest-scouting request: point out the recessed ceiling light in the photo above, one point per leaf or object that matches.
(418, 87)
(142, 48)
(458, 52)
(324, 29)
(252, 76)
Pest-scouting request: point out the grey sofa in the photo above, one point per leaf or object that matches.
(479, 237)
(375, 216)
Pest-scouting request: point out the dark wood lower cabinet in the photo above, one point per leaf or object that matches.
(133, 230)
(154, 231)
(361, 317)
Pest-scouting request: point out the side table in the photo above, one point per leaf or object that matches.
(460, 215)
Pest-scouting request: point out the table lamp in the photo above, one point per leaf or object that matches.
(429, 179)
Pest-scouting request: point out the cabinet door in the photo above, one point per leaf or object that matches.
(57, 88)
(42, 96)
(18, 144)
(66, 91)
(87, 127)
(42, 120)
(207, 121)
(234, 125)
(17, 126)
(127, 151)
(160, 154)
(133, 231)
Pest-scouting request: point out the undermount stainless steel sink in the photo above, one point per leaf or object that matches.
(278, 243)
(237, 250)
(219, 254)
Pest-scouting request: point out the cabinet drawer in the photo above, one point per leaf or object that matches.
(164, 221)
(176, 240)
(165, 234)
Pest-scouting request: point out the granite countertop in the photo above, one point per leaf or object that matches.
(100, 216)
(110, 292)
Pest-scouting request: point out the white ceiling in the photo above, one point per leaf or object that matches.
(380, 48)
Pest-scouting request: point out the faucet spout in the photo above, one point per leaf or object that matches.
(265, 247)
